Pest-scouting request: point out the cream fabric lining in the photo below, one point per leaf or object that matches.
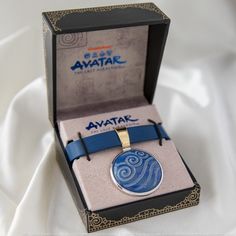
(98, 84)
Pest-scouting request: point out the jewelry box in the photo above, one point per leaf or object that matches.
(102, 66)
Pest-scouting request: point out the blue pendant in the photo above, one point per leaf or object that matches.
(136, 172)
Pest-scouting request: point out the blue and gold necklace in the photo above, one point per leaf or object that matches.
(133, 171)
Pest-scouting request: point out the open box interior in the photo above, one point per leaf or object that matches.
(100, 71)
(108, 73)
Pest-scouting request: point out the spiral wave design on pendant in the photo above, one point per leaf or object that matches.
(137, 171)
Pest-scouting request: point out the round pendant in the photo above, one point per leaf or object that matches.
(136, 172)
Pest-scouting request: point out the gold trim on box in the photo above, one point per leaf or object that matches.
(55, 16)
(96, 222)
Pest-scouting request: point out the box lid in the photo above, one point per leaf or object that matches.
(130, 41)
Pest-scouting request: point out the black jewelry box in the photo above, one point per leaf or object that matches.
(68, 22)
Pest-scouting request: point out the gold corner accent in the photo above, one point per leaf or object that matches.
(96, 222)
(55, 16)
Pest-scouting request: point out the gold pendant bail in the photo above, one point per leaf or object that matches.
(124, 138)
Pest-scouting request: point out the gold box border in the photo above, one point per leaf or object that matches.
(97, 222)
(55, 16)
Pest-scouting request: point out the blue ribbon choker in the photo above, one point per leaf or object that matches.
(99, 142)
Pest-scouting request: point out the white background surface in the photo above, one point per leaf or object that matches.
(195, 96)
